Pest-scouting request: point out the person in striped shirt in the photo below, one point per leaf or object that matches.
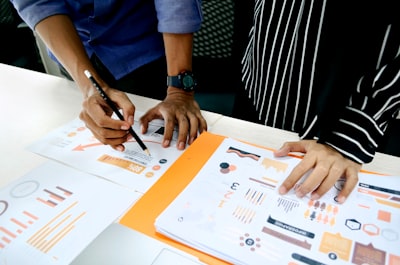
(328, 71)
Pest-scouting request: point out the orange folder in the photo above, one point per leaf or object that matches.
(142, 215)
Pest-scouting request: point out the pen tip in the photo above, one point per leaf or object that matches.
(147, 152)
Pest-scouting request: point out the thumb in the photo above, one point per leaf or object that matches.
(287, 147)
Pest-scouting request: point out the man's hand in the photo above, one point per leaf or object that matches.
(97, 116)
(178, 108)
(327, 166)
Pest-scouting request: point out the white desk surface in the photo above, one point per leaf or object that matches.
(32, 104)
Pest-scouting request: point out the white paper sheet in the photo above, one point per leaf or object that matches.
(53, 212)
(232, 210)
(75, 145)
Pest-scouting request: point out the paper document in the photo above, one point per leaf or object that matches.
(52, 213)
(230, 209)
(75, 145)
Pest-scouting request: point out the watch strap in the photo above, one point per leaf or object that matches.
(174, 81)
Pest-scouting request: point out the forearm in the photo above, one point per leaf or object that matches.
(60, 36)
(178, 50)
(363, 122)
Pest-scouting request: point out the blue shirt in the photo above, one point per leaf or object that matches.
(123, 34)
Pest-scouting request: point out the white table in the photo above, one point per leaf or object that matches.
(32, 104)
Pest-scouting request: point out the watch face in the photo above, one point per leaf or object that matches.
(188, 81)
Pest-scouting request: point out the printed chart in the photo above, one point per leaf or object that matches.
(74, 145)
(52, 213)
(232, 210)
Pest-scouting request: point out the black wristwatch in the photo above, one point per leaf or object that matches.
(184, 80)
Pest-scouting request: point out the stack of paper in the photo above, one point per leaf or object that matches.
(231, 210)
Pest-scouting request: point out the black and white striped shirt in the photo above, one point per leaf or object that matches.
(326, 70)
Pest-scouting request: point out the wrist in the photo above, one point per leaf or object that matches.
(175, 90)
(185, 81)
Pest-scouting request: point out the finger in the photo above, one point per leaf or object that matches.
(104, 135)
(297, 173)
(202, 123)
(194, 128)
(99, 113)
(128, 110)
(283, 151)
(313, 179)
(110, 137)
(328, 179)
(287, 147)
(169, 125)
(150, 115)
(349, 185)
(119, 147)
(183, 125)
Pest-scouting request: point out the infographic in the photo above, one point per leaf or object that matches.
(232, 210)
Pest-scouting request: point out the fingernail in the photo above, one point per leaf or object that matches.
(166, 143)
(124, 127)
(341, 199)
(299, 194)
(120, 148)
(181, 145)
(282, 190)
(315, 196)
(131, 119)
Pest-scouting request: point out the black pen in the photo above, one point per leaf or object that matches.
(115, 109)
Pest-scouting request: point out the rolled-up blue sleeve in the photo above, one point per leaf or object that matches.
(178, 16)
(32, 12)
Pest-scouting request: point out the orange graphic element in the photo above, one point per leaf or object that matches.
(71, 134)
(55, 230)
(149, 174)
(142, 215)
(393, 259)
(368, 254)
(2, 229)
(373, 193)
(337, 244)
(156, 167)
(278, 166)
(125, 164)
(82, 147)
(270, 180)
(384, 216)
(307, 213)
(392, 204)
(371, 229)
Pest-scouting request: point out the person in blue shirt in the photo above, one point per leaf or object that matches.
(128, 46)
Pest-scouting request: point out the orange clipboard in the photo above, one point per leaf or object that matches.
(142, 215)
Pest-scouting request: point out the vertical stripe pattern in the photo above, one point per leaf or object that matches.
(282, 62)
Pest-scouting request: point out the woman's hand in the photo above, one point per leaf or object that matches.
(327, 166)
